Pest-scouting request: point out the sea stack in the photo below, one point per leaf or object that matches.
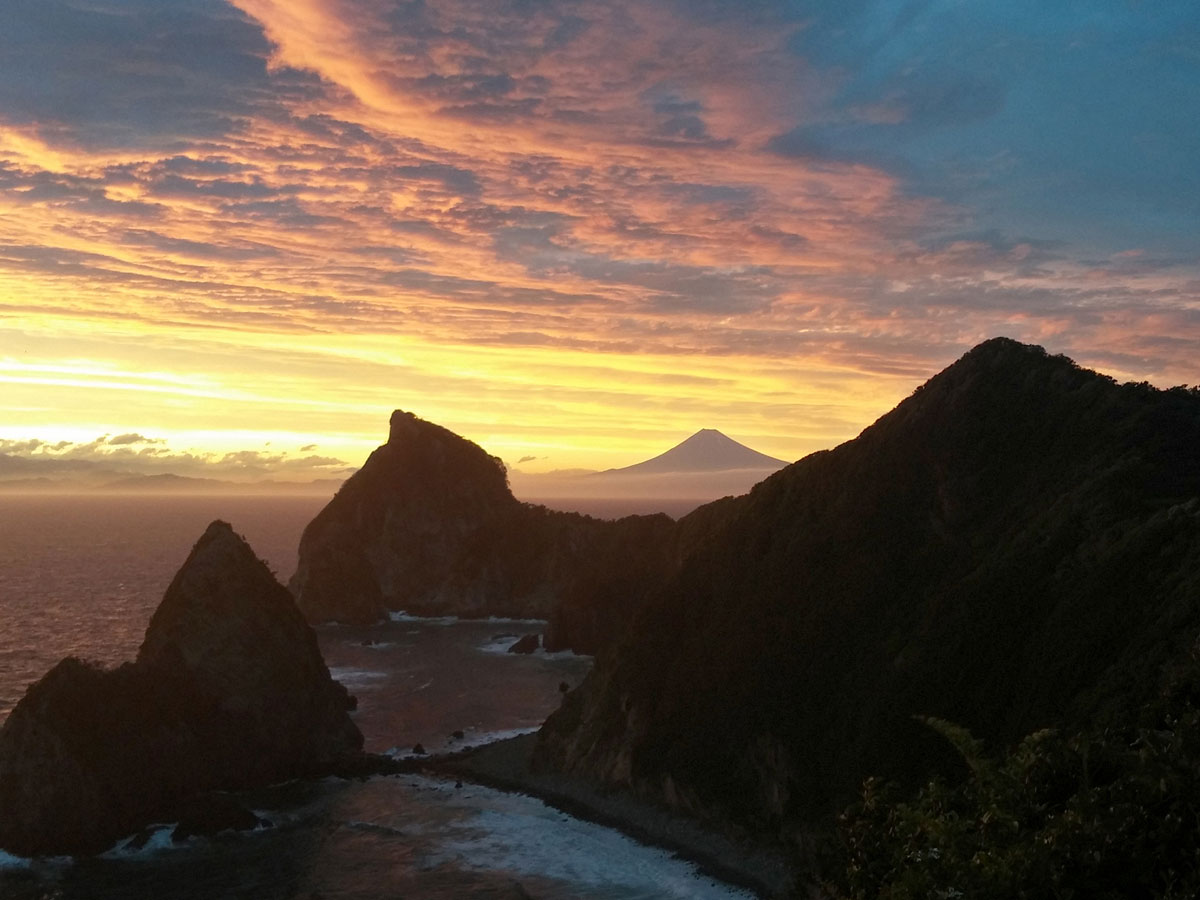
(229, 691)
(426, 525)
(429, 526)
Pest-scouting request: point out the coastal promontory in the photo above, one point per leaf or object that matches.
(1014, 547)
(429, 526)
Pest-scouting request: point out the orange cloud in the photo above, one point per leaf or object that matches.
(561, 226)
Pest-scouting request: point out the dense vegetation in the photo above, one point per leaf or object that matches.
(1105, 813)
(1015, 547)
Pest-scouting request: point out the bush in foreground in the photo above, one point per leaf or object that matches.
(1107, 814)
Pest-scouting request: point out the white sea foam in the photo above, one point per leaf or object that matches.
(498, 620)
(8, 861)
(521, 835)
(402, 616)
(379, 645)
(352, 677)
(478, 739)
(499, 643)
(159, 840)
(470, 739)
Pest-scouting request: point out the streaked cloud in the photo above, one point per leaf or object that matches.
(106, 460)
(580, 229)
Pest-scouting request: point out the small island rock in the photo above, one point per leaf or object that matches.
(527, 644)
(229, 691)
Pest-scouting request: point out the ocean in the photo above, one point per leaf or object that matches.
(82, 575)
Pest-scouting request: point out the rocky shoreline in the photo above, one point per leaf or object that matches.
(505, 765)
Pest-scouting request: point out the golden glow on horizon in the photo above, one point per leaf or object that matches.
(591, 411)
(578, 268)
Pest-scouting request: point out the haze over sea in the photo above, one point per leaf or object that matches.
(81, 575)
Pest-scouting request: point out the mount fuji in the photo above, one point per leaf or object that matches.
(704, 467)
(708, 450)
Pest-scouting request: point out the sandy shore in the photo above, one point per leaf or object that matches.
(505, 765)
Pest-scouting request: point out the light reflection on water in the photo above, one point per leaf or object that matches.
(421, 683)
(83, 575)
(400, 836)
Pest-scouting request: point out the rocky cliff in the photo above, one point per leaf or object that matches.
(228, 691)
(428, 525)
(1016, 545)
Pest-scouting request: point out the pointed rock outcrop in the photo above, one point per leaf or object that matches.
(428, 525)
(229, 691)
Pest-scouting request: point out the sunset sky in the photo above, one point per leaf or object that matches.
(235, 235)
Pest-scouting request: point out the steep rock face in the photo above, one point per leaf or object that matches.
(428, 525)
(228, 691)
(610, 569)
(418, 527)
(1016, 545)
(238, 633)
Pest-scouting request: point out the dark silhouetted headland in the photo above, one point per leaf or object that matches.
(1015, 546)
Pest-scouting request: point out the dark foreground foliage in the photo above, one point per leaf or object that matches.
(1107, 814)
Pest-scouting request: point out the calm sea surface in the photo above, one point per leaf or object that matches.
(82, 575)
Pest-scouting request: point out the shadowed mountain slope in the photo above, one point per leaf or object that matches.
(1016, 545)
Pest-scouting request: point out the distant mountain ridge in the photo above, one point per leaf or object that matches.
(704, 467)
(708, 450)
(66, 476)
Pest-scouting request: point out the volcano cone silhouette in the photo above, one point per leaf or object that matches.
(708, 450)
